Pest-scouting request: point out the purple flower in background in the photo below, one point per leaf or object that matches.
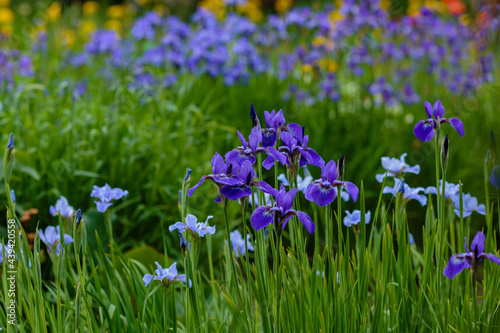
(192, 224)
(470, 205)
(424, 130)
(223, 173)
(281, 212)
(396, 168)
(354, 218)
(459, 262)
(408, 193)
(102, 41)
(409, 96)
(411, 239)
(62, 208)
(106, 194)
(4, 249)
(170, 80)
(165, 275)
(322, 191)
(238, 243)
(255, 199)
(13, 196)
(52, 238)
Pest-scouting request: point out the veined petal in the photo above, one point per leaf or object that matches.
(352, 190)
(268, 162)
(228, 179)
(456, 264)
(269, 137)
(266, 188)
(277, 155)
(329, 171)
(457, 125)
(322, 196)
(428, 109)
(296, 131)
(236, 192)
(479, 243)
(414, 169)
(147, 279)
(177, 226)
(261, 217)
(438, 109)
(424, 130)
(182, 278)
(306, 221)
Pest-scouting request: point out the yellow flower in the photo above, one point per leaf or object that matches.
(464, 19)
(217, 7)
(319, 40)
(385, 4)
(69, 37)
(252, 10)
(5, 29)
(116, 11)
(90, 7)
(332, 66)
(54, 11)
(160, 9)
(4, 3)
(115, 25)
(142, 2)
(282, 6)
(6, 15)
(87, 27)
(307, 68)
(335, 16)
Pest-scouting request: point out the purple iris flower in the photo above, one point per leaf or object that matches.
(102, 41)
(354, 218)
(106, 194)
(192, 224)
(281, 212)
(295, 145)
(411, 239)
(238, 243)
(424, 130)
(62, 208)
(408, 192)
(243, 189)
(274, 121)
(495, 176)
(165, 275)
(13, 196)
(223, 173)
(251, 148)
(52, 238)
(322, 191)
(396, 167)
(4, 249)
(470, 205)
(459, 262)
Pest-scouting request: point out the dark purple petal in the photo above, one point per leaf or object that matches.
(457, 125)
(218, 165)
(329, 171)
(269, 137)
(261, 217)
(191, 190)
(266, 188)
(478, 242)
(237, 156)
(322, 196)
(242, 139)
(255, 138)
(268, 162)
(285, 200)
(306, 221)
(278, 120)
(456, 264)
(236, 192)
(288, 140)
(227, 179)
(352, 190)
(424, 130)
(438, 109)
(269, 117)
(217, 200)
(296, 131)
(428, 109)
(276, 155)
(492, 257)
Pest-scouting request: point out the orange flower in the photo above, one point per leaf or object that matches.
(456, 7)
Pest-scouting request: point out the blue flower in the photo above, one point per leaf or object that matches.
(408, 192)
(52, 238)
(302, 183)
(238, 243)
(354, 218)
(192, 224)
(396, 168)
(106, 194)
(459, 262)
(13, 196)
(165, 275)
(425, 129)
(10, 143)
(411, 239)
(450, 190)
(470, 205)
(495, 176)
(281, 212)
(4, 249)
(62, 208)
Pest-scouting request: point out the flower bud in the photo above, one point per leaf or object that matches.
(445, 149)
